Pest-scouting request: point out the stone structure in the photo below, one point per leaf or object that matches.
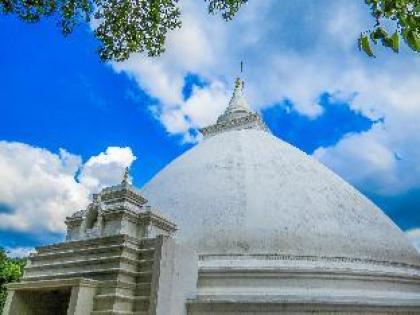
(119, 258)
(262, 229)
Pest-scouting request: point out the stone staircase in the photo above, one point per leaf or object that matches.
(98, 259)
(132, 292)
(118, 254)
(124, 268)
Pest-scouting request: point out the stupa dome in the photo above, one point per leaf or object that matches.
(260, 228)
(278, 232)
(245, 191)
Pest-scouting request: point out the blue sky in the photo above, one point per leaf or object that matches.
(70, 124)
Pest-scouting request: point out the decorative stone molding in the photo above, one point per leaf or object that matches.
(271, 257)
(279, 283)
(153, 219)
(268, 264)
(122, 193)
(250, 121)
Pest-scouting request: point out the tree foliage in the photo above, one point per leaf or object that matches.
(11, 270)
(127, 26)
(121, 26)
(405, 13)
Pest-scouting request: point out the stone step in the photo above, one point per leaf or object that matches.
(146, 249)
(146, 263)
(104, 241)
(117, 287)
(145, 260)
(91, 274)
(86, 251)
(75, 266)
(72, 245)
(144, 276)
(142, 305)
(108, 250)
(119, 302)
(126, 289)
(112, 267)
(112, 312)
(143, 288)
(85, 262)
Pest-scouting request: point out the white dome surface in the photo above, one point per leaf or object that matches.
(246, 192)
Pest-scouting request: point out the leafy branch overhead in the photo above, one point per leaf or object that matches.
(405, 14)
(121, 26)
(124, 27)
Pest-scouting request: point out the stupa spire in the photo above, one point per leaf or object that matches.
(126, 176)
(238, 102)
(238, 114)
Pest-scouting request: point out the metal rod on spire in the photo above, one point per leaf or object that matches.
(242, 69)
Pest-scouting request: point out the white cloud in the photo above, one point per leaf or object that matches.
(201, 109)
(205, 105)
(295, 50)
(40, 187)
(414, 236)
(366, 151)
(383, 160)
(105, 169)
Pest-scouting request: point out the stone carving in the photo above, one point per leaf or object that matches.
(115, 210)
(92, 224)
(250, 121)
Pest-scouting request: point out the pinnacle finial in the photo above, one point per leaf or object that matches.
(238, 114)
(125, 177)
(238, 84)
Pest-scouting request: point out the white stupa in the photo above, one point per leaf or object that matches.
(275, 229)
(243, 223)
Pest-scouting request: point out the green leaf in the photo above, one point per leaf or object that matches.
(406, 15)
(364, 44)
(382, 33)
(413, 40)
(395, 42)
